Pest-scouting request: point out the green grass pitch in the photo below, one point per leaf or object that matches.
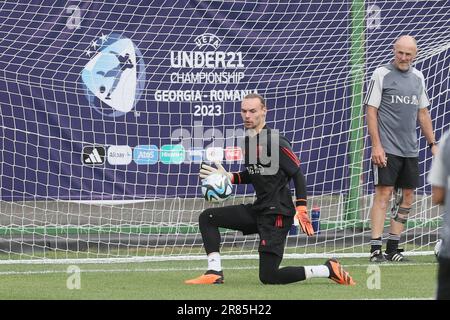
(165, 281)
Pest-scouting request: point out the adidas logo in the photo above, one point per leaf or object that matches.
(93, 155)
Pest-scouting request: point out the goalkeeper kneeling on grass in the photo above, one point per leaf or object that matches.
(273, 212)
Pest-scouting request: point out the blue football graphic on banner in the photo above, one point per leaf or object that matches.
(115, 75)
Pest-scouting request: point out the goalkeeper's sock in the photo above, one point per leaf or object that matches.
(317, 272)
(214, 261)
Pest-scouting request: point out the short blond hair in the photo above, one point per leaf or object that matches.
(256, 96)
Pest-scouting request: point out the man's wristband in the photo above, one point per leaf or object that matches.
(300, 202)
(430, 145)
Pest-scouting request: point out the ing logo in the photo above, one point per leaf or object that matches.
(114, 78)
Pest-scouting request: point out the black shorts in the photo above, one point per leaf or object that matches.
(273, 230)
(271, 227)
(443, 290)
(400, 172)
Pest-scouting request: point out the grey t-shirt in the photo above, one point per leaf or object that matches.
(440, 176)
(398, 96)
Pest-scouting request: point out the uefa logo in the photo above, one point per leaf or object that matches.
(114, 78)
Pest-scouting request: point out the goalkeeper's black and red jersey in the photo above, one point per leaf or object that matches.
(270, 172)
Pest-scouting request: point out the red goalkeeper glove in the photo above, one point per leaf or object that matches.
(302, 216)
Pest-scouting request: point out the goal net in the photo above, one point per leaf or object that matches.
(107, 110)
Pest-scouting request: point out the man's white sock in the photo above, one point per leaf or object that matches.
(317, 272)
(214, 261)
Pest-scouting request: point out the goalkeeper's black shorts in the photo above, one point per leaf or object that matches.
(271, 227)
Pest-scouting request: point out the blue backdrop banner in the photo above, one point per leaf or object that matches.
(119, 101)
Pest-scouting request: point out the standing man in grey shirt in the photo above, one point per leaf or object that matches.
(439, 178)
(396, 99)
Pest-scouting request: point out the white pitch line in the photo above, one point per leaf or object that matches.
(404, 298)
(115, 270)
(389, 264)
(32, 272)
(139, 259)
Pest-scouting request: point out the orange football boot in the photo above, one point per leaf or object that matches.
(210, 277)
(338, 274)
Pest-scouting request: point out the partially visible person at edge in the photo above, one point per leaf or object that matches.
(439, 178)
